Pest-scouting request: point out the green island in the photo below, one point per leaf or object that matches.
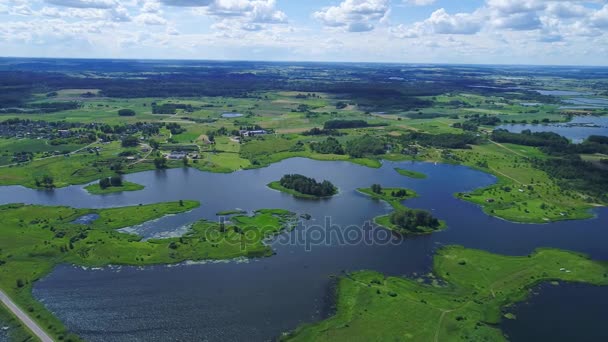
(403, 220)
(410, 173)
(35, 239)
(231, 212)
(96, 189)
(463, 299)
(304, 187)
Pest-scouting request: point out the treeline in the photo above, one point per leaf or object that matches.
(170, 108)
(527, 138)
(414, 220)
(343, 124)
(443, 140)
(577, 174)
(322, 131)
(308, 186)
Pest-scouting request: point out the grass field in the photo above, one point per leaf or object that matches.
(463, 299)
(34, 239)
(523, 193)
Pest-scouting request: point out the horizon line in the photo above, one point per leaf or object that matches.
(311, 61)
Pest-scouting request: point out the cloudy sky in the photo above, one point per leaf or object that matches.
(417, 31)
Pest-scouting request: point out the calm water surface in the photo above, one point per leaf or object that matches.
(259, 299)
(574, 130)
(548, 312)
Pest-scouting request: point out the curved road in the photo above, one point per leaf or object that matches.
(24, 318)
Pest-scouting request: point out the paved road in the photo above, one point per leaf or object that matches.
(24, 318)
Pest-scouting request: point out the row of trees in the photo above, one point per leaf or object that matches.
(340, 124)
(443, 140)
(308, 186)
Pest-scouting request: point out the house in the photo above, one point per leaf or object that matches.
(176, 155)
(253, 133)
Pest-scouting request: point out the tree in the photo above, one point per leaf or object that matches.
(116, 180)
(126, 112)
(377, 188)
(185, 161)
(160, 162)
(154, 144)
(47, 182)
(130, 141)
(104, 183)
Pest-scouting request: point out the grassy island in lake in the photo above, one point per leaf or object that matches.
(463, 299)
(411, 174)
(35, 239)
(403, 220)
(96, 189)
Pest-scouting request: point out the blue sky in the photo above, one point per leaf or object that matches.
(410, 31)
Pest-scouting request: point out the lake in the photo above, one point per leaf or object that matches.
(577, 130)
(548, 312)
(257, 300)
(232, 115)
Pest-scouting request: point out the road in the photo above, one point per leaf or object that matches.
(24, 318)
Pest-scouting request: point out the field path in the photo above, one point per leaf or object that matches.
(24, 318)
(506, 148)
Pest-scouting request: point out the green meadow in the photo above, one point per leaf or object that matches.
(464, 298)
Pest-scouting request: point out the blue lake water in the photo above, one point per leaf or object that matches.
(532, 324)
(576, 130)
(257, 300)
(561, 92)
(232, 115)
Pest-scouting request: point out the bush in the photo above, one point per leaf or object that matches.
(126, 112)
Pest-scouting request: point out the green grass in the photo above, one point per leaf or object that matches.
(411, 174)
(95, 189)
(523, 193)
(80, 168)
(278, 187)
(34, 239)
(230, 212)
(463, 299)
(16, 330)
